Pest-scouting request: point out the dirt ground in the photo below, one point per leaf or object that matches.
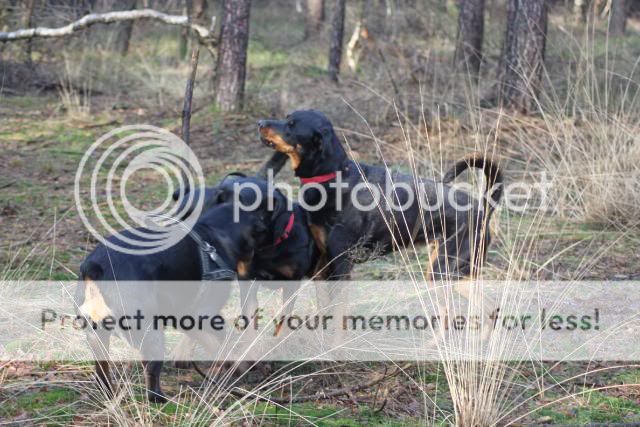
(43, 135)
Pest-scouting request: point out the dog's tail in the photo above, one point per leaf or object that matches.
(492, 174)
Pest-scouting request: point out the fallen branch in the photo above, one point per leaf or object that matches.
(204, 35)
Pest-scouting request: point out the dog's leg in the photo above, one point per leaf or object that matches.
(152, 371)
(98, 341)
(249, 304)
(152, 347)
(341, 264)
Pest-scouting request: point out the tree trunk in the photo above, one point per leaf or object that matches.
(27, 19)
(470, 33)
(124, 29)
(232, 55)
(337, 34)
(617, 18)
(196, 10)
(579, 11)
(314, 16)
(183, 45)
(522, 59)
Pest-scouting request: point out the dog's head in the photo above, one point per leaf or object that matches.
(308, 138)
(187, 198)
(258, 204)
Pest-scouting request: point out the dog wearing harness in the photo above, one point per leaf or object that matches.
(289, 255)
(214, 249)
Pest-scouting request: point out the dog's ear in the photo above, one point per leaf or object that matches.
(325, 138)
(279, 203)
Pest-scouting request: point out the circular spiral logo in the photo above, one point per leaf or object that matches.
(127, 164)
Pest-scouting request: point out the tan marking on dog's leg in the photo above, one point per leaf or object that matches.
(286, 270)
(93, 307)
(432, 258)
(243, 269)
(319, 236)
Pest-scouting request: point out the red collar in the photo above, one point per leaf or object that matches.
(287, 230)
(319, 179)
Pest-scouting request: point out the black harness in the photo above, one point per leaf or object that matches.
(212, 265)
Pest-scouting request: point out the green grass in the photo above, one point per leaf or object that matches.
(594, 407)
(325, 415)
(50, 407)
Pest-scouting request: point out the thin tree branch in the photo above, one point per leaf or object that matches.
(204, 35)
(188, 96)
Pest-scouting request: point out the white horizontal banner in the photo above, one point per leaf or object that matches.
(351, 320)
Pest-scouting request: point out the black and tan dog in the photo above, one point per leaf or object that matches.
(438, 213)
(269, 242)
(292, 254)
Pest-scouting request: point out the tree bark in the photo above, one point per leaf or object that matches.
(314, 16)
(124, 29)
(617, 18)
(232, 55)
(27, 22)
(337, 35)
(523, 52)
(579, 11)
(470, 34)
(183, 44)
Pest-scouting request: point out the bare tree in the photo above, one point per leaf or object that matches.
(579, 11)
(523, 51)
(337, 35)
(470, 33)
(232, 55)
(27, 22)
(617, 18)
(124, 29)
(196, 10)
(314, 16)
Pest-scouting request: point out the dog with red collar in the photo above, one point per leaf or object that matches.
(461, 236)
(291, 253)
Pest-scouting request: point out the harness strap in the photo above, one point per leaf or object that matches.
(213, 267)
